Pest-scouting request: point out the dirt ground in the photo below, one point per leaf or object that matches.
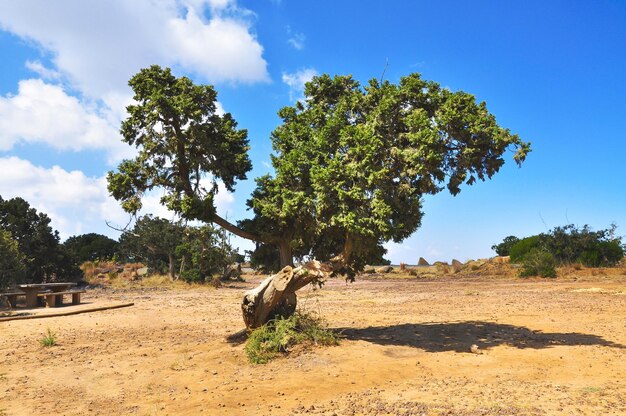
(545, 347)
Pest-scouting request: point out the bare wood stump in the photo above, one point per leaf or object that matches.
(276, 295)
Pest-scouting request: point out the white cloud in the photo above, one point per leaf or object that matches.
(45, 73)
(100, 45)
(296, 81)
(77, 203)
(44, 113)
(296, 39)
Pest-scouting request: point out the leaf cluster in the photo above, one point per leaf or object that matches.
(184, 146)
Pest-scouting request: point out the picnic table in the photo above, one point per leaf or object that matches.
(50, 290)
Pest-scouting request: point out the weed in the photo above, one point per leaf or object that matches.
(49, 339)
(277, 336)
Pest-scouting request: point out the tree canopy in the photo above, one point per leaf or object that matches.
(352, 163)
(91, 247)
(185, 146)
(43, 257)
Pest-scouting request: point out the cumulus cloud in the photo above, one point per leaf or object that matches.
(44, 113)
(100, 45)
(296, 80)
(77, 203)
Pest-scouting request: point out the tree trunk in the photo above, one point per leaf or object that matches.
(172, 266)
(286, 253)
(276, 295)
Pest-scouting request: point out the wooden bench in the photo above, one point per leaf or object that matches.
(12, 297)
(54, 299)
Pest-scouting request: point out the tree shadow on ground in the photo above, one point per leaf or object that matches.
(459, 336)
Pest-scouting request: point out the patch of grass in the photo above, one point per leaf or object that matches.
(279, 335)
(591, 390)
(49, 339)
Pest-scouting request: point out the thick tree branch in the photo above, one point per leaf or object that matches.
(216, 219)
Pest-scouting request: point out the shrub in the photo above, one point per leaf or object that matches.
(523, 247)
(538, 263)
(277, 336)
(504, 248)
(571, 244)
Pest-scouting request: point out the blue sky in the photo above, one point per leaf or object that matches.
(553, 72)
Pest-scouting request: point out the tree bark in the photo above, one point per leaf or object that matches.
(172, 268)
(276, 295)
(286, 253)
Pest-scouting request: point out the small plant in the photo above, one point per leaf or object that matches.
(538, 263)
(49, 339)
(278, 335)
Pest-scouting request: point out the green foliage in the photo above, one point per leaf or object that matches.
(504, 248)
(11, 261)
(193, 253)
(49, 340)
(277, 336)
(570, 244)
(521, 248)
(204, 252)
(152, 241)
(184, 146)
(43, 258)
(352, 162)
(538, 262)
(91, 247)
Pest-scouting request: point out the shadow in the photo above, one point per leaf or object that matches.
(238, 337)
(459, 336)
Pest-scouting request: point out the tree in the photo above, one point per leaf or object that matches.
(43, 258)
(153, 241)
(91, 247)
(351, 164)
(11, 261)
(504, 248)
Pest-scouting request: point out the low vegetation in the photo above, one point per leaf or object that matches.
(562, 246)
(49, 340)
(278, 336)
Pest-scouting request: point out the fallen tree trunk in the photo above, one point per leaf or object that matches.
(276, 295)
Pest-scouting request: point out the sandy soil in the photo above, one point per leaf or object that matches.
(545, 347)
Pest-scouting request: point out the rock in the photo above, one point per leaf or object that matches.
(475, 350)
(422, 262)
(502, 259)
(456, 265)
(369, 270)
(384, 269)
(142, 271)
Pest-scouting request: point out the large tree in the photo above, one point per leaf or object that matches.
(351, 162)
(44, 259)
(91, 247)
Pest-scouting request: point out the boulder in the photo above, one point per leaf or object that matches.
(142, 271)
(456, 265)
(422, 262)
(369, 270)
(384, 269)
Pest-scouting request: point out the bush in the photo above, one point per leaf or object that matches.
(538, 263)
(523, 247)
(277, 336)
(504, 248)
